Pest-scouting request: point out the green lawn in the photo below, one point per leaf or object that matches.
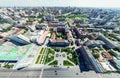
(73, 16)
(54, 63)
(81, 16)
(56, 49)
(74, 58)
(67, 63)
(47, 59)
(61, 35)
(38, 58)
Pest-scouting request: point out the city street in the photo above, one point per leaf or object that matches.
(53, 40)
(54, 72)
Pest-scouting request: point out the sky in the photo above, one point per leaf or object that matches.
(72, 3)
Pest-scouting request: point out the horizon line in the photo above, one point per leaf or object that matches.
(58, 7)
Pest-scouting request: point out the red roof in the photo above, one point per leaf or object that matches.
(43, 36)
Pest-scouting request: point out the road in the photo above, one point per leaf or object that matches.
(54, 73)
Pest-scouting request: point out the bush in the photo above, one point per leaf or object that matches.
(8, 66)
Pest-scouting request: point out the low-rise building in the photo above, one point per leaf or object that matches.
(107, 55)
(42, 26)
(115, 63)
(61, 42)
(40, 40)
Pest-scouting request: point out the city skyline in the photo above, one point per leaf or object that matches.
(59, 42)
(62, 3)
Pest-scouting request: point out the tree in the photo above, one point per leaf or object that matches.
(112, 53)
(117, 48)
(78, 25)
(96, 55)
(1, 21)
(41, 21)
(7, 29)
(40, 15)
(72, 43)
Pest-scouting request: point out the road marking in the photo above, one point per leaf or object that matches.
(10, 74)
(41, 73)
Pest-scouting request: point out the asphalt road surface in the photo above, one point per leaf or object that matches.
(54, 73)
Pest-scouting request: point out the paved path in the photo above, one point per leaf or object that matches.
(70, 62)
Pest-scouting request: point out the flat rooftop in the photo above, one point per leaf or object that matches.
(10, 51)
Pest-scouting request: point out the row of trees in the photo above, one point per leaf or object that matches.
(112, 53)
(7, 29)
(8, 66)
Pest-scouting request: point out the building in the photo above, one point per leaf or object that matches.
(40, 40)
(108, 43)
(56, 24)
(4, 26)
(7, 19)
(115, 63)
(109, 26)
(42, 26)
(59, 42)
(79, 33)
(107, 55)
(49, 17)
(20, 39)
(94, 43)
(92, 62)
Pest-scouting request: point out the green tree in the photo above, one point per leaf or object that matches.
(78, 25)
(1, 21)
(41, 21)
(96, 55)
(112, 53)
(40, 15)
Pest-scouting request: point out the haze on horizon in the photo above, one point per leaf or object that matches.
(62, 3)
